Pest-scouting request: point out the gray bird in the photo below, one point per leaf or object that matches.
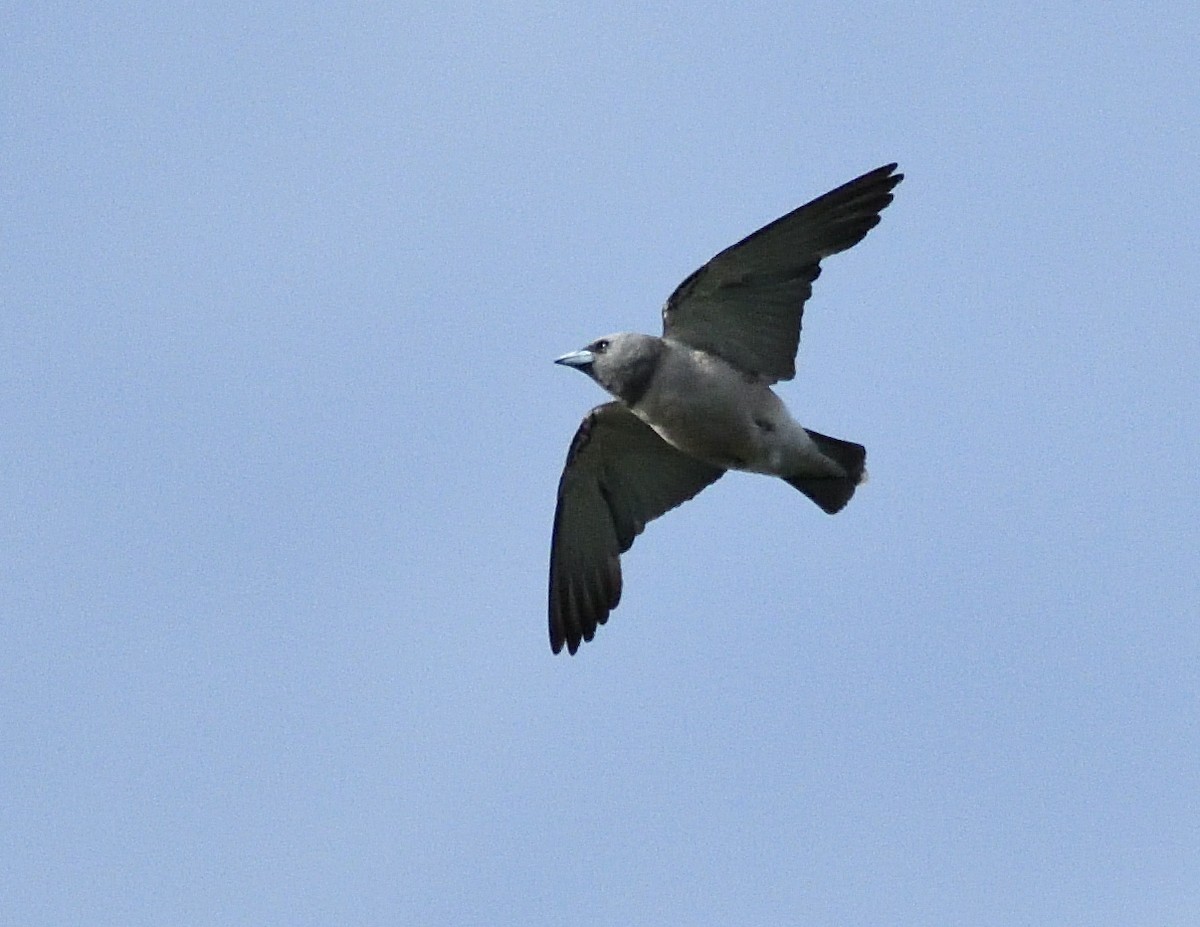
(698, 401)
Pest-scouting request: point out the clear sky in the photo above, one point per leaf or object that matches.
(280, 434)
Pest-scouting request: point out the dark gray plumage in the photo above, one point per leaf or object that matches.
(697, 402)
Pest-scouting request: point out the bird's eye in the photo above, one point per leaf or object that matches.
(601, 346)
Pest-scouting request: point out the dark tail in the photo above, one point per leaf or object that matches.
(832, 493)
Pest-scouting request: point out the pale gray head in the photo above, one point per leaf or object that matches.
(624, 364)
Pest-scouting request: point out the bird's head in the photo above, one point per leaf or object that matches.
(624, 364)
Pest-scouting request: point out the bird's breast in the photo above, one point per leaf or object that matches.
(704, 407)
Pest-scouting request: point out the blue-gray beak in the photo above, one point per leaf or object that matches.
(576, 359)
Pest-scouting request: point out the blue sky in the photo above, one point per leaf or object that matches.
(281, 286)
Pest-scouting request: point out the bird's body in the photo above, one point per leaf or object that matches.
(697, 401)
(705, 407)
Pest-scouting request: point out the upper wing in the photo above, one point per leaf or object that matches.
(619, 475)
(745, 304)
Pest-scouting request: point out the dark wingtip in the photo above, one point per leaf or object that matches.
(882, 176)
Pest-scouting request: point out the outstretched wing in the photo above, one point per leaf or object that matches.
(619, 475)
(745, 304)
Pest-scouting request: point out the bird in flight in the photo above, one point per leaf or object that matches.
(698, 401)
